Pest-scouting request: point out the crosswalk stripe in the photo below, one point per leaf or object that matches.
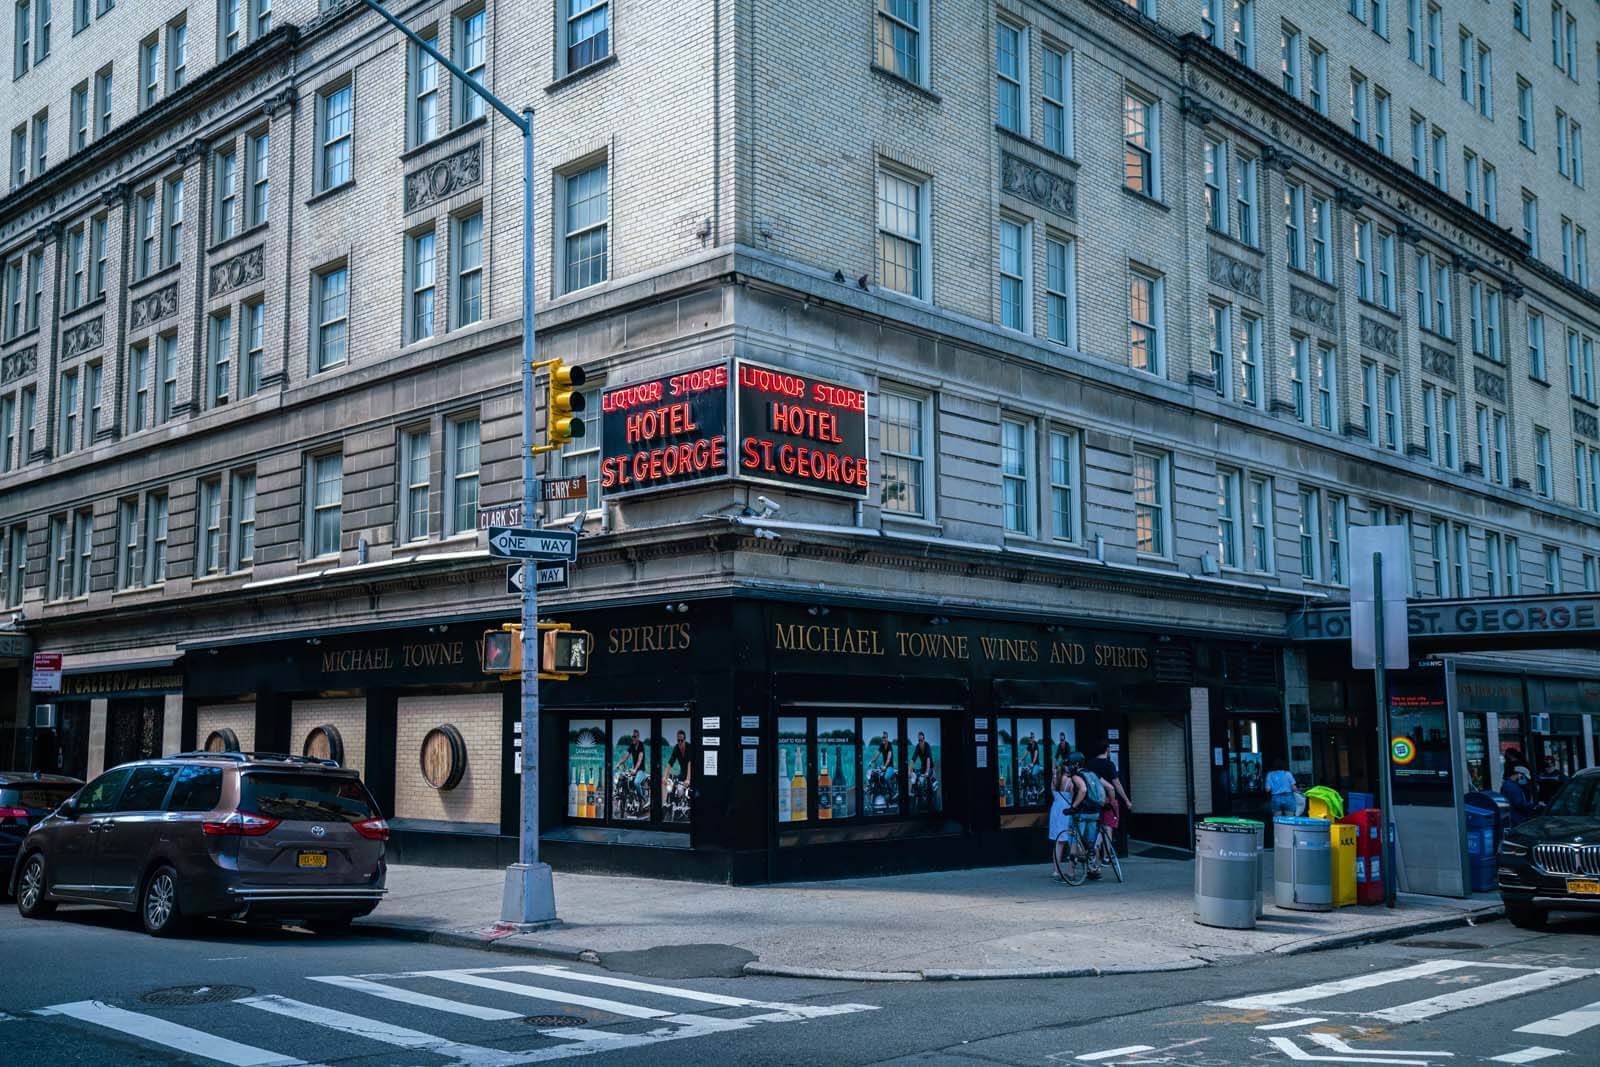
(1126, 1050)
(1483, 994)
(386, 1033)
(173, 1035)
(644, 987)
(615, 1007)
(1567, 1023)
(1285, 997)
(1293, 1024)
(1527, 1055)
(421, 1000)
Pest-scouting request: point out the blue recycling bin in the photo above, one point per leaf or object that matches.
(1360, 802)
(1481, 848)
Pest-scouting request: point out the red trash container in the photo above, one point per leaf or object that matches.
(1369, 854)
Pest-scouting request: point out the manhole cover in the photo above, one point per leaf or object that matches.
(1420, 943)
(196, 994)
(556, 1021)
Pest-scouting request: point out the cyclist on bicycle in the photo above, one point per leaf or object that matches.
(1068, 792)
(1091, 801)
(635, 762)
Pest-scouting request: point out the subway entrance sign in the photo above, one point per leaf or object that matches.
(1543, 621)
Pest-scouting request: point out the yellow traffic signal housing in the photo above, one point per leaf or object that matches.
(562, 403)
(563, 652)
(502, 651)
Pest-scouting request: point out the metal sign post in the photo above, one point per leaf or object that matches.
(1380, 639)
(1380, 683)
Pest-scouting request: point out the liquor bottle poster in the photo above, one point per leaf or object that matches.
(839, 760)
(1005, 761)
(586, 762)
(791, 781)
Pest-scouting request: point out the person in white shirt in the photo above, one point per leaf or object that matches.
(1280, 783)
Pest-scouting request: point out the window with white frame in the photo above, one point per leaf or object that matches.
(1391, 410)
(225, 193)
(1247, 346)
(467, 248)
(166, 377)
(462, 440)
(1449, 430)
(1230, 504)
(1438, 154)
(1360, 106)
(1492, 563)
(1011, 75)
(1513, 565)
(585, 37)
(1469, 178)
(129, 557)
(1430, 421)
(1382, 120)
(421, 284)
(102, 101)
(1439, 546)
(257, 148)
(155, 538)
(1527, 133)
(1310, 534)
(1061, 290)
(325, 491)
(905, 431)
(1017, 478)
(1289, 46)
(253, 343)
(1146, 321)
(902, 229)
(209, 519)
(67, 422)
(1530, 221)
(1141, 159)
(1247, 192)
(1317, 83)
(146, 226)
(586, 217)
(424, 90)
(1055, 99)
(1300, 376)
(1258, 509)
(901, 38)
(1213, 24)
(1435, 42)
(172, 222)
(1016, 264)
(1244, 32)
(1591, 574)
(1216, 184)
(58, 584)
(1543, 480)
(15, 570)
(414, 484)
(1152, 496)
(230, 27)
(1294, 232)
(219, 360)
(242, 520)
(588, 32)
(1552, 569)
(177, 54)
(331, 304)
(1221, 334)
(93, 400)
(149, 72)
(139, 392)
(1063, 485)
(335, 133)
(1337, 536)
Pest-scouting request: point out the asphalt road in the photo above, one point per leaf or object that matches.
(89, 988)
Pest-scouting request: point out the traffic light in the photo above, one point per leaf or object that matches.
(563, 651)
(563, 401)
(502, 650)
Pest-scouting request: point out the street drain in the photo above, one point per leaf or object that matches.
(556, 1021)
(1421, 943)
(178, 995)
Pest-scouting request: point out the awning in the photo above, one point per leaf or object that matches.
(134, 659)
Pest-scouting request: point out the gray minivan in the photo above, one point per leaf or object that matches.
(229, 834)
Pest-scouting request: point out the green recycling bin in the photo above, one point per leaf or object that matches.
(1260, 830)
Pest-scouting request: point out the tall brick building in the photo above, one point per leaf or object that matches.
(1132, 310)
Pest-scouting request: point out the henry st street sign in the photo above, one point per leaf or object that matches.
(546, 575)
(508, 542)
(1522, 617)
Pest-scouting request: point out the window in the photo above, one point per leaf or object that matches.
(1498, 470)
(1212, 26)
(420, 267)
(1450, 429)
(149, 72)
(461, 474)
(1519, 16)
(424, 77)
(172, 222)
(587, 223)
(78, 112)
(1460, 560)
(35, 288)
(1258, 502)
(83, 551)
(581, 456)
(902, 222)
(1247, 180)
(1430, 421)
(22, 39)
(155, 538)
(1492, 558)
(1530, 221)
(1469, 178)
(102, 99)
(68, 420)
(1580, 478)
(253, 343)
(15, 296)
(1152, 492)
(468, 250)
(1221, 319)
(59, 549)
(1490, 197)
(1467, 51)
(1289, 59)
(1543, 483)
(1552, 569)
(139, 409)
(256, 147)
(1146, 321)
(177, 54)
(1230, 538)
(1562, 165)
(1574, 150)
(1010, 70)
(1382, 120)
(210, 523)
(1536, 358)
(471, 50)
(226, 180)
(144, 234)
(1365, 282)
(332, 316)
(1141, 161)
(1056, 100)
(1061, 290)
(219, 362)
(906, 443)
(1322, 238)
(336, 126)
(1419, 146)
(1338, 519)
(1017, 476)
(1216, 184)
(901, 26)
(16, 559)
(1319, 79)
(1580, 366)
(8, 440)
(230, 31)
(325, 475)
(1435, 42)
(1439, 150)
(93, 401)
(1326, 375)
(1244, 32)
(1591, 574)
(243, 518)
(1391, 410)
(1310, 534)
(1294, 209)
(1063, 481)
(588, 32)
(1016, 262)
(414, 485)
(1525, 123)
(1248, 347)
(1360, 123)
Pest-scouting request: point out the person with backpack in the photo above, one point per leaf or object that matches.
(1090, 807)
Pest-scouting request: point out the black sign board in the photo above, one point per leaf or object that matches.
(798, 432)
(665, 432)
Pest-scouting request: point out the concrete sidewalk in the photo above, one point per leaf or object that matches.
(994, 922)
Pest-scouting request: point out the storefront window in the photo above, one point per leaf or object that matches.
(1032, 773)
(882, 759)
(634, 770)
(586, 764)
(792, 784)
(873, 766)
(838, 755)
(1510, 730)
(1005, 734)
(676, 763)
(1245, 771)
(927, 778)
(1475, 739)
(630, 770)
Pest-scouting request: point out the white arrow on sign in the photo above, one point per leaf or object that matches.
(508, 542)
(546, 575)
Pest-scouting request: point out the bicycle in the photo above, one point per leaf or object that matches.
(1072, 861)
(1105, 852)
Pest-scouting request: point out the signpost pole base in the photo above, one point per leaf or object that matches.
(528, 901)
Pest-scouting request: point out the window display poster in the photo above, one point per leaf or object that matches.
(838, 757)
(1063, 741)
(1032, 783)
(675, 766)
(882, 761)
(630, 770)
(791, 781)
(925, 769)
(586, 767)
(1006, 755)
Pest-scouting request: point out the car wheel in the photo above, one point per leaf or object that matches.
(31, 886)
(330, 927)
(1525, 916)
(158, 904)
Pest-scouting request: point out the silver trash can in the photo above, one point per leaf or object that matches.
(1227, 875)
(1302, 865)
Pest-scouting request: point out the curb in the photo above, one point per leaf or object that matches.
(459, 939)
(1390, 933)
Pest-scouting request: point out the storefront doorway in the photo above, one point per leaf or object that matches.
(133, 730)
(1252, 745)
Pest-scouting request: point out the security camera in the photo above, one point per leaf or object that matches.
(769, 504)
(578, 520)
(768, 535)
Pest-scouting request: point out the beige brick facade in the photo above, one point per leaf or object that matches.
(476, 799)
(240, 718)
(349, 717)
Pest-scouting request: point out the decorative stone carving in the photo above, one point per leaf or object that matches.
(1238, 276)
(18, 365)
(1304, 304)
(116, 195)
(1514, 291)
(1585, 422)
(83, 337)
(1050, 191)
(444, 178)
(50, 231)
(161, 304)
(1273, 156)
(246, 267)
(275, 105)
(185, 154)
(1380, 337)
(1195, 109)
(1439, 361)
(1349, 198)
(1490, 385)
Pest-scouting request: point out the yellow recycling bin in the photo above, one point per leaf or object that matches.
(1344, 864)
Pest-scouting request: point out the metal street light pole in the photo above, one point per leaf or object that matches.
(529, 896)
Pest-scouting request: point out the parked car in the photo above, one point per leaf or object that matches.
(25, 798)
(237, 835)
(1552, 862)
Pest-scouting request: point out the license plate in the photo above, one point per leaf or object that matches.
(1587, 886)
(320, 859)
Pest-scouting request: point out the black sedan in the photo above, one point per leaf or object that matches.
(1552, 862)
(25, 798)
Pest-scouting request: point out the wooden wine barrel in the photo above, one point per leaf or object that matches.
(222, 739)
(443, 757)
(324, 742)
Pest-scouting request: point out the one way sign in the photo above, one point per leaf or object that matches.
(509, 542)
(546, 576)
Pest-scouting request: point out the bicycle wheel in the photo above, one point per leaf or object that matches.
(1071, 864)
(1108, 854)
